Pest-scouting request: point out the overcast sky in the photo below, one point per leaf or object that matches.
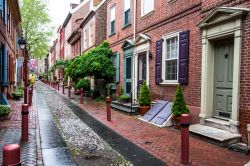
(58, 10)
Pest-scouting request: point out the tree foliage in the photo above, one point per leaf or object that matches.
(145, 95)
(179, 107)
(36, 26)
(94, 63)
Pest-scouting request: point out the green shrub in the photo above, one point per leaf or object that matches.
(179, 107)
(145, 95)
(4, 110)
(83, 83)
(95, 93)
(18, 93)
(21, 88)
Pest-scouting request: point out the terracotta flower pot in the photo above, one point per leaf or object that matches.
(144, 109)
(176, 122)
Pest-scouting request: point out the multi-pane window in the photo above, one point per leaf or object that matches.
(112, 20)
(90, 35)
(147, 6)
(171, 59)
(126, 12)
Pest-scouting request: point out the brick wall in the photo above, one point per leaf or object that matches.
(100, 24)
(121, 33)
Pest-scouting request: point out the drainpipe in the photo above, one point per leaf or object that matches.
(133, 79)
(134, 33)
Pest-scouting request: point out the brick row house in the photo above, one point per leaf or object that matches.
(10, 32)
(201, 45)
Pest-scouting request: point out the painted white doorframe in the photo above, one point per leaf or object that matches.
(232, 27)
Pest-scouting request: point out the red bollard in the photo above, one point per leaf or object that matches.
(108, 101)
(81, 96)
(69, 89)
(25, 122)
(58, 86)
(63, 88)
(30, 97)
(185, 120)
(11, 155)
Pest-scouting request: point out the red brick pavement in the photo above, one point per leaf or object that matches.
(14, 121)
(15, 118)
(164, 143)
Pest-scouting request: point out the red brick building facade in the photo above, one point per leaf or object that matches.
(167, 43)
(9, 33)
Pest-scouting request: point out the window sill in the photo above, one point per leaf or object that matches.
(126, 26)
(147, 14)
(169, 84)
(112, 34)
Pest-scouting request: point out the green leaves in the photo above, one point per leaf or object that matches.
(179, 107)
(145, 95)
(36, 26)
(94, 63)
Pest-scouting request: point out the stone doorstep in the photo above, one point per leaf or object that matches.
(218, 123)
(214, 135)
(126, 107)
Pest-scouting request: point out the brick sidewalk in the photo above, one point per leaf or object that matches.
(164, 143)
(10, 133)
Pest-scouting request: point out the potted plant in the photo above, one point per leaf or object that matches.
(17, 94)
(4, 111)
(179, 107)
(144, 99)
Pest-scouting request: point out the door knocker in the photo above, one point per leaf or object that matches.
(226, 55)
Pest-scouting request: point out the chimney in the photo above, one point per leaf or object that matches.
(73, 5)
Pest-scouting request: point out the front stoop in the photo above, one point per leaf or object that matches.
(125, 107)
(219, 124)
(214, 135)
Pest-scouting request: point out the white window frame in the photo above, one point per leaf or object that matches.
(164, 51)
(142, 8)
(114, 8)
(91, 34)
(125, 10)
(85, 39)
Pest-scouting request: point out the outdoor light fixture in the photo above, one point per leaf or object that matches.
(22, 43)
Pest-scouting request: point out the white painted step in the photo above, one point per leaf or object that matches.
(218, 123)
(215, 135)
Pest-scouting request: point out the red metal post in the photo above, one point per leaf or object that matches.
(30, 97)
(11, 155)
(58, 86)
(185, 120)
(108, 101)
(81, 96)
(63, 89)
(69, 90)
(25, 122)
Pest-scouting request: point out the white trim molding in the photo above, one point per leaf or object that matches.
(223, 22)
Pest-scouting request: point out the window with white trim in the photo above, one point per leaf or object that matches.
(126, 12)
(112, 20)
(171, 58)
(147, 6)
(90, 35)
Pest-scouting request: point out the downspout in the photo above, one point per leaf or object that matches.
(134, 35)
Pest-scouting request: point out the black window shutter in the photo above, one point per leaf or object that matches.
(183, 57)
(158, 62)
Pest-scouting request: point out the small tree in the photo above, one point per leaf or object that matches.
(83, 83)
(179, 107)
(145, 95)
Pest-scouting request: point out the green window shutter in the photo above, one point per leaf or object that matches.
(117, 67)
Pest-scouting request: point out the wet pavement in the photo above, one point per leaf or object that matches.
(100, 145)
(54, 149)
